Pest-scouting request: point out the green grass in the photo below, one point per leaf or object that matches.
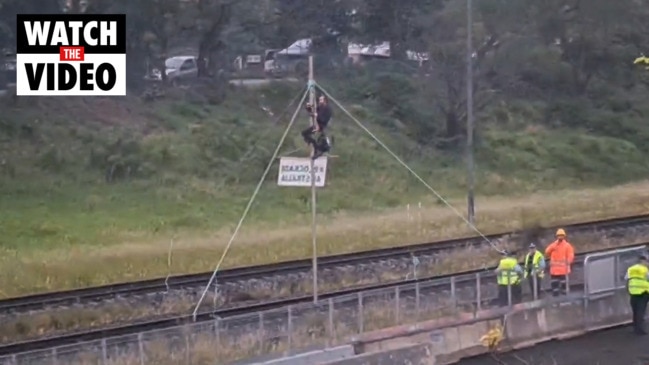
(193, 168)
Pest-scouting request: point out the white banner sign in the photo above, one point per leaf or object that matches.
(296, 171)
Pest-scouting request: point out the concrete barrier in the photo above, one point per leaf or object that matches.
(307, 358)
(447, 341)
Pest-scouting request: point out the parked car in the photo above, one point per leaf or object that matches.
(177, 68)
(181, 67)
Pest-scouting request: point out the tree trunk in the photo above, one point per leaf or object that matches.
(210, 40)
(203, 57)
(453, 129)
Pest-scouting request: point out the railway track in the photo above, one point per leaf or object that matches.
(291, 273)
(436, 287)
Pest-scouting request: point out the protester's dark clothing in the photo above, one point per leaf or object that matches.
(307, 134)
(323, 116)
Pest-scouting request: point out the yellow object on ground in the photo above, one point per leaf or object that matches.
(642, 60)
(492, 339)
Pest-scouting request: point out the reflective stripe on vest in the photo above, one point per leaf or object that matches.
(507, 275)
(637, 279)
(535, 264)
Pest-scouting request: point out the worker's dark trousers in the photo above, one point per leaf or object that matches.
(558, 284)
(639, 308)
(503, 297)
(530, 280)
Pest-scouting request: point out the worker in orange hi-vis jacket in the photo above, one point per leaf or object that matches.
(561, 255)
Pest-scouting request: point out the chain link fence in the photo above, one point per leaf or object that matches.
(278, 331)
(292, 328)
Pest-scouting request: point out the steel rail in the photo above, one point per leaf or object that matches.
(103, 333)
(160, 285)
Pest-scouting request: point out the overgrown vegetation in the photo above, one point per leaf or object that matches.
(96, 190)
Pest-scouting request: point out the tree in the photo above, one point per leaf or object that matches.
(394, 22)
(446, 68)
(212, 17)
(590, 36)
(10, 8)
(137, 44)
(328, 24)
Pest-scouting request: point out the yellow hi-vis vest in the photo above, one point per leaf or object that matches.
(506, 273)
(637, 279)
(535, 264)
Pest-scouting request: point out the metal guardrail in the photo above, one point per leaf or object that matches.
(329, 323)
(95, 294)
(604, 271)
(275, 330)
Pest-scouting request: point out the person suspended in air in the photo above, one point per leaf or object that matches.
(315, 135)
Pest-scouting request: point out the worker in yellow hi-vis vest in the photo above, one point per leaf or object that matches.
(509, 274)
(637, 282)
(534, 267)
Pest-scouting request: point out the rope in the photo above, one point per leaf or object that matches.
(405, 165)
(253, 146)
(250, 202)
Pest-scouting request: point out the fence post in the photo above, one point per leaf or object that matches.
(509, 288)
(260, 333)
(216, 293)
(360, 312)
(332, 329)
(289, 340)
(616, 269)
(417, 289)
(55, 359)
(140, 346)
(586, 276)
(188, 350)
(397, 305)
(217, 331)
(104, 352)
(453, 295)
(478, 290)
(586, 318)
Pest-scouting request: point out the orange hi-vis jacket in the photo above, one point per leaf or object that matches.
(561, 255)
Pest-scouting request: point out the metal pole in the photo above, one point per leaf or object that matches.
(469, 113)
(314, 233)
(313, 189)
(311, 88)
